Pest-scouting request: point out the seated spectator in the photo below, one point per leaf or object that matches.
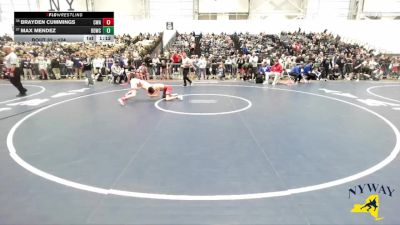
(98, 64)
(221, 71)
(117, 72)
(143, 72)
(264, 70)
(276, 70)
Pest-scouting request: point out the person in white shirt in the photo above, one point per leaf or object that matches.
(117, 71)
(155, 62)
(13, 70)
(253, 60)
(234, 67)
(186, 65)
(69, 64)
(43, 68)
(98, 64)
(202, 64)
(228, 65)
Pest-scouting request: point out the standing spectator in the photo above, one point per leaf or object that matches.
(27, 67)
(234, 67)
(43, 68)
(148, 62)
(69, 65)
(48, 69)
(394, 66)
(247, 66)
(253, 61)
(341, 62)
(240, 63)
(326, 68)
(175, 59)
(87, 71)
(77, 66)
(163, 68)
(63, 69)
(155, 66)
(35, 67)
(13, 71)
(202, 64)
(109, 62)
(195, 68)
(357, 64)
(348, 66)
(228, 65)
(55, 67)
(214, 66)
(208, 67)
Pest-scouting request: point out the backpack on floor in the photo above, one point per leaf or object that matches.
(259, 79)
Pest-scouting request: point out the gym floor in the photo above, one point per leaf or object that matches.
(228, 153)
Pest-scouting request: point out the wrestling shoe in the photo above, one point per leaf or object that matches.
(180, 97)
(21, 95)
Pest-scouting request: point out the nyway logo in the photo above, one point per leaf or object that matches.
(371, 204)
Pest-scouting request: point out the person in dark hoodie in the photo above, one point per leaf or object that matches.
(87, 71)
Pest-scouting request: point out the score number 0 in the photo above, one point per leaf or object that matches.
(108, 21)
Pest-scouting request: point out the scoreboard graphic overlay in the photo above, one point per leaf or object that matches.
(64, 26)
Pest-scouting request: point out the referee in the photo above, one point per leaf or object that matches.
(13, 70)
(186, 65)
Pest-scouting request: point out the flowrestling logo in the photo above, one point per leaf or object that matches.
(372, 204)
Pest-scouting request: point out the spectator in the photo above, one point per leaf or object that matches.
(69, 65)
(264, 70)
(202, 64)
(87, 71)
(117, 72)
(98, 64)
(143, 71)
(296, 72)
(27, 67)
(253, 63)
(43, 68)
(77, 66)
(221, 71)
(276, 70)
(163, 68)
(55, 67)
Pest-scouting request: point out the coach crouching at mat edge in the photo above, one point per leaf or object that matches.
(13, 71)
